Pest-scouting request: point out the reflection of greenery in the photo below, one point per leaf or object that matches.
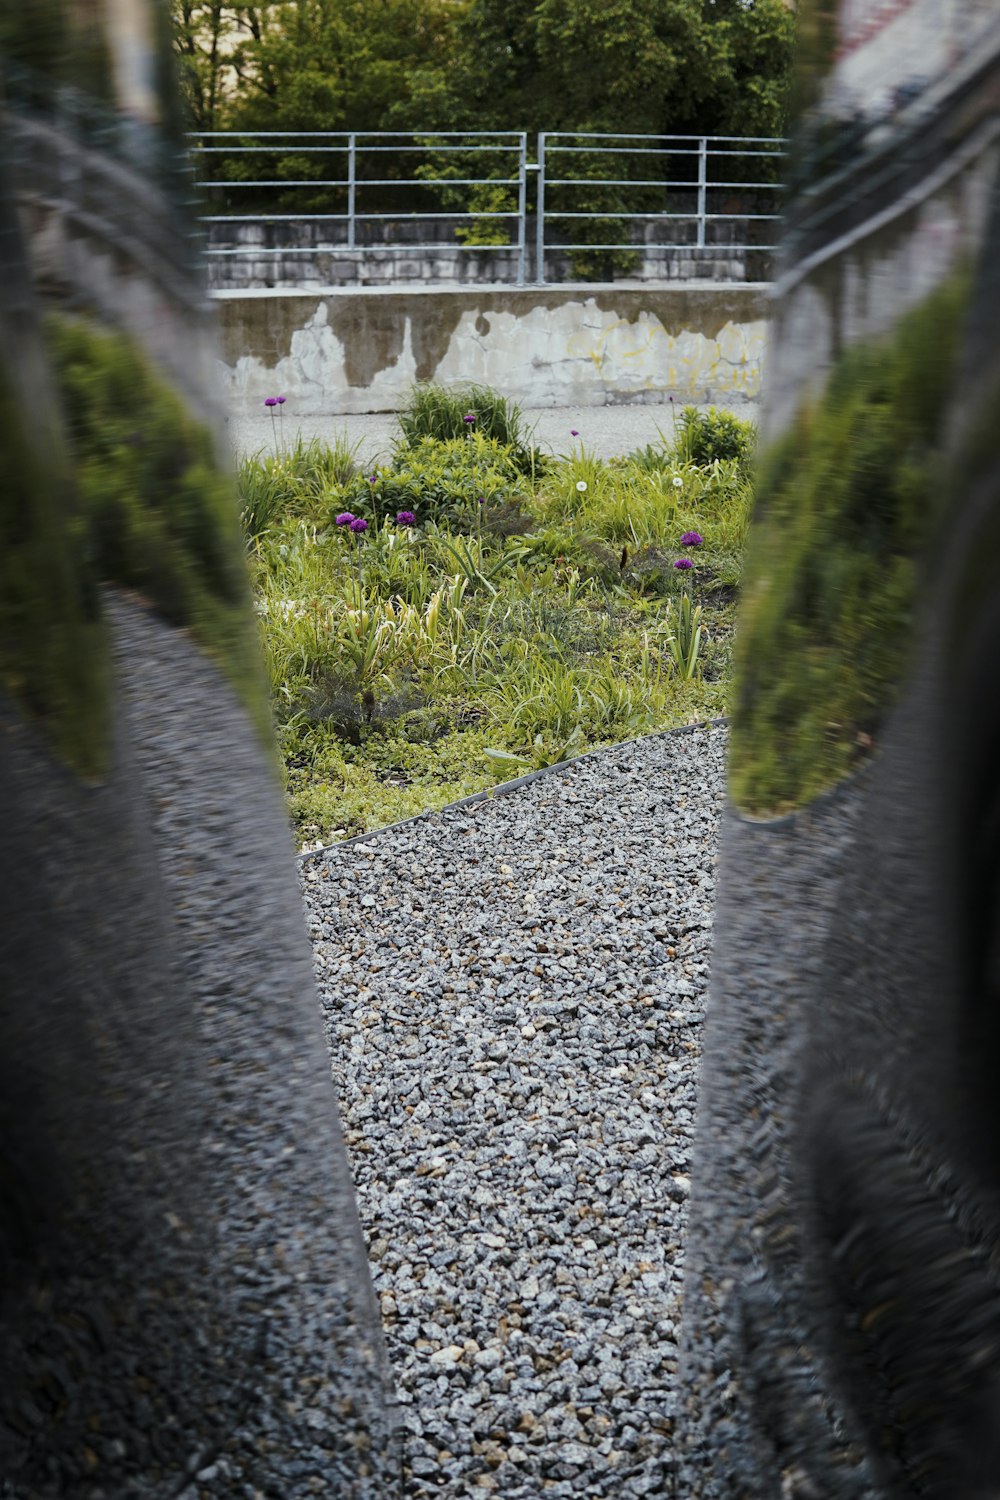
(60, 43)
(848, 498)
(53, 657)
(160, 516)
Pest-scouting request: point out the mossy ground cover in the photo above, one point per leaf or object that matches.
(498, 611)
(849, 500)
(112, 480)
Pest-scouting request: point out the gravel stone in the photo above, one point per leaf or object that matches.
(513, 992)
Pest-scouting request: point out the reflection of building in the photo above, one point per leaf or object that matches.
(890, 49)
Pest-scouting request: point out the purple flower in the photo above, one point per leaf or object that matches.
(281, 400)
(683, 562)
(405, 518)
(359, 524)
(691, 539)
(470, 417)
(372, 478)
(345, 518)
(573, 432)
(270, 400)
(482, 499)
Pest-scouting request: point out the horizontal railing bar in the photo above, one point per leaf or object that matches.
(462, 213)
(271, 135)
(322, 150)
(433, 146)
(639, 249)
(360, 182)
(248, 150)
(581, 213)
(658, 151)
(271, 218)
(623, 150)
(470, 135)
(691, 185)
(369, 249)
(279, 182)
(638, 135)
(655, 182)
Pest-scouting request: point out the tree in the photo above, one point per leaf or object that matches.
(659, 66)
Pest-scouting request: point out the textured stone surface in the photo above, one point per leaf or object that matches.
(185, 1297)
(514, 995)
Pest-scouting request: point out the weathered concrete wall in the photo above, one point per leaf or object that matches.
(584, 345)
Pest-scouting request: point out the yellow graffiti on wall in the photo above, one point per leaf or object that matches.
(685, 363)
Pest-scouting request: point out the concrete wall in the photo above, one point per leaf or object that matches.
(341, 351)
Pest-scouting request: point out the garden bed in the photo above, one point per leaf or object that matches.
(473, 609)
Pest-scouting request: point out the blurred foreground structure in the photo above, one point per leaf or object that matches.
(184, 1295)
(184, 1300)
(843, 1260)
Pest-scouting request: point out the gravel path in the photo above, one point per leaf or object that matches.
(513, 993)
(606, 431)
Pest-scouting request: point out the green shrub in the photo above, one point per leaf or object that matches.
(439, 480)
(296, 481)
(439, 412)
(706, 436)
(849, 497)
(158, 514)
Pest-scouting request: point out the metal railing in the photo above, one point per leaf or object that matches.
(359, 194)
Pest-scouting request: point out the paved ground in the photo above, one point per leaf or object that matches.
(605, 430)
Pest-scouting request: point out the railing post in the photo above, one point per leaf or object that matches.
(540, 220)
(702, 188)
(351, 186)
(522, 205)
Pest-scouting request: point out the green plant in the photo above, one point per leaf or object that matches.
(543, 753)
(438, 480)
(157, 513)
(440, 412)
(850, 495)
(471, 561)
(297, 481)
(705, 436)
(684, 640)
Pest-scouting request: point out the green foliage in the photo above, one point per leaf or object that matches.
(713, 434)
(437, 481)
(685, 636)
(157, 514)
(848, 498)
(53, 642)
(660, 67)
(59, 43)
(439, 412)
(295, 481)
(411, 665)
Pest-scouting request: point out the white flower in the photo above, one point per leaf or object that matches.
(581, 485)
(678, 482)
